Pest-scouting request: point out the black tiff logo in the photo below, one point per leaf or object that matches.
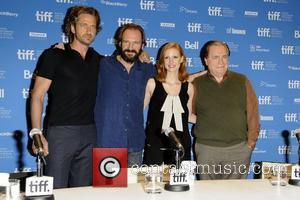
(39, 186)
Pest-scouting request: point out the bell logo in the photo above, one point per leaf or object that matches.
(191, 45)
(297, 34)
(27, 74)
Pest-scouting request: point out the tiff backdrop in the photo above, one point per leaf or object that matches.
(263, 35)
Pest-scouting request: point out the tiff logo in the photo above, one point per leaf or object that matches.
(64, 38)
(264, 100)
(38, 186)
(263, 32)
(263, 134)
(151, 43)
(147, 5)
(297, 34)
(189, 62)
(122, 21)
(214, 11)
(25, 93)
(2, 93)
(274, 16)
(290, 117)
(191, 45)
(284, 150)
(287, 50)
(27, 74)
(194, 27)
(44, 16)
(294, 84)
(25, 54)
(257, 65)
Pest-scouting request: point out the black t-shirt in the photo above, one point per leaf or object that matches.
(72, 93)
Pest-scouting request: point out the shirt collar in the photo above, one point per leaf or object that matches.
(224, 77)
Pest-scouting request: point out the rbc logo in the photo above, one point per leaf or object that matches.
(44, 16)
(263, 32)
(151, 43)
(25, 54)
(191, 45)
(147, 5)
(257, 65)
(214, 11)
(274, 16)
(264, 100)
(122, 21)
(294, 84)
(297, 34)
(194, 27)
(287, 50)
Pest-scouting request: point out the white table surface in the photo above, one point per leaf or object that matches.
(201, 190)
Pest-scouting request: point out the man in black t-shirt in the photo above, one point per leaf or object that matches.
(70, 78)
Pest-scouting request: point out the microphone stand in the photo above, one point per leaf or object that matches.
(296, 182)
(181, 187)
(39, 173)
(40, 165)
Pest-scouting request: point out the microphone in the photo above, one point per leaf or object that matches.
(169, 132)
(35, 135)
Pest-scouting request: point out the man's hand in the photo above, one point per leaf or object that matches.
(145, 57)
(45, 146)
(251, 144)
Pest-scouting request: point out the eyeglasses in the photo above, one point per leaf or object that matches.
(86, 26)
(133, 43)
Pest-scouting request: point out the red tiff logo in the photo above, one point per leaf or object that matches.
(110, 167)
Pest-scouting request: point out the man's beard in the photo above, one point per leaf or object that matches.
(130, 59)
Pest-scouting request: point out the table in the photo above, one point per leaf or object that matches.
(254, 189)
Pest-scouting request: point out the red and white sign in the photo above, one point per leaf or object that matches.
(110, 167)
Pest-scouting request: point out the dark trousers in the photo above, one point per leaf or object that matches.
(70, 155)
